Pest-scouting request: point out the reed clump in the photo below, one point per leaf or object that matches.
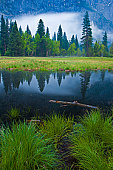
(14, 114)
(92, 142)
(22, 147)
(56, 127)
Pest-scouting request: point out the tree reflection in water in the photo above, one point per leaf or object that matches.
(19, 89)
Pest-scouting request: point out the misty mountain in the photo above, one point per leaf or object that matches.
(100, 11)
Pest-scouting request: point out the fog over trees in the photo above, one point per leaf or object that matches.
(15, 42)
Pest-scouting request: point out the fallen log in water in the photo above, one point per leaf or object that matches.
(75, 103)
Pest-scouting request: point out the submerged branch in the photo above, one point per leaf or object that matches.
(75, 103)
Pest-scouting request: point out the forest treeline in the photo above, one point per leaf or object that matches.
(15, 42)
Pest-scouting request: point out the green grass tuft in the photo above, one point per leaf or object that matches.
(92, 142)
(57, 127)
(21, 147)
(13, 114)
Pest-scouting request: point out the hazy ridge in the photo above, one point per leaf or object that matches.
(100, 10)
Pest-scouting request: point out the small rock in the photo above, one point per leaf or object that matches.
(67, 70)
(60, 69)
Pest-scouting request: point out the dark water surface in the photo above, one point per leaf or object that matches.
(31, 91)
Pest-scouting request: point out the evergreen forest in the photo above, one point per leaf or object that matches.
(15, 42)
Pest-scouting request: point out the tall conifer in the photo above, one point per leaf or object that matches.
(3, 36)
(28, 30)
(47, 33)
(41, 28)
(72, 39)
(65, 42)
(11, 26)
(54, 37)
(59, 36)
(86, 39)
(20, 30)
(111, 49)
(76, 43)
(15, 42)
(7, 33)
(105, 41)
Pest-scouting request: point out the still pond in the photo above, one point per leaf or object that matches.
(31, 91)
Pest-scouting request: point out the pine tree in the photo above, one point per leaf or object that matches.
(11, 26)
(85, 81)
(54, 37)
(111, 49)
(15, 42)
(47, 33)
(59, 36)
(28, 44)
(65, 43)
(28, 30)
(41, 28)
(76, 43)
(72, 40)
(86, 39)
(105, 41)
(7, 33)
(3, 36)
(36, 44)
(20, 30)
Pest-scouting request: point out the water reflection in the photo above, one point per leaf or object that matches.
(13, 80)
(85, 81)
(35, 89)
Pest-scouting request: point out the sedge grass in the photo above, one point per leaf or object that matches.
(57, 127)
(55, 64)
(13, 114)
(22, 148)
(92, 142)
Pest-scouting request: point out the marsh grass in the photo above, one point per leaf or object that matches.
(57, 127)
(59, 143)
(54, 64)
(22, 148)
(92, 142)
(14, 114)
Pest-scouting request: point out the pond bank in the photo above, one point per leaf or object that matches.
(66, 64)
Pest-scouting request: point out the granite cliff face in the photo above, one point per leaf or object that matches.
(103, 14)
(101, 11)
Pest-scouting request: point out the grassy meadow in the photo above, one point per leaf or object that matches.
(56, 63)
